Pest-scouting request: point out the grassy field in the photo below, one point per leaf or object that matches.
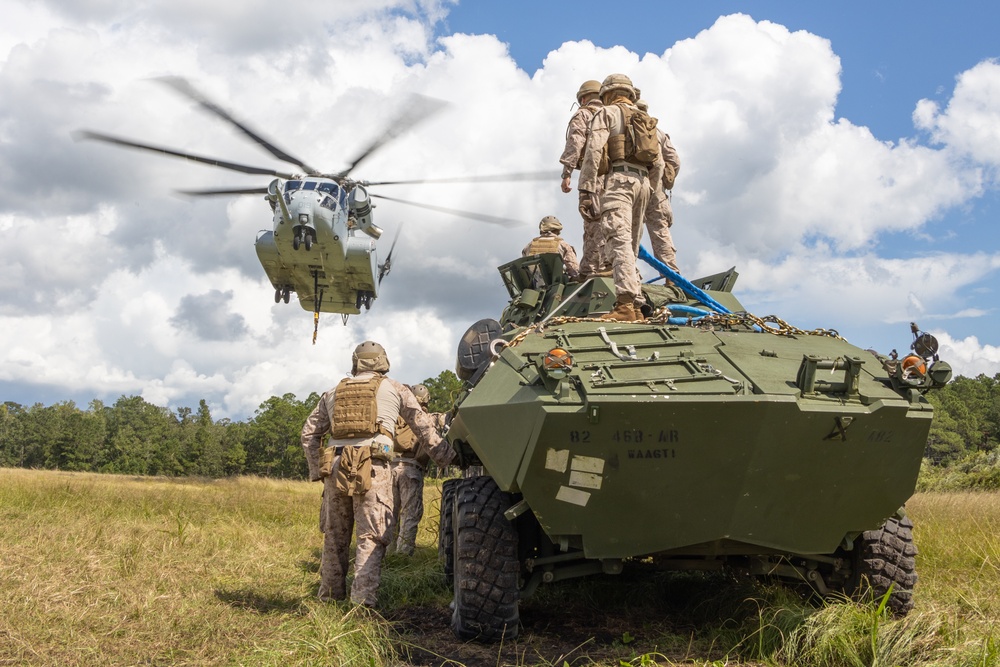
(99, 570)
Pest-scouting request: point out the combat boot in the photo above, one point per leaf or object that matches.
(624, 311)
(637, 311)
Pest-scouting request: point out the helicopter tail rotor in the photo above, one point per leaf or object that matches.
(386, 266)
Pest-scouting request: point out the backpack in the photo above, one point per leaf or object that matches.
(642, 144)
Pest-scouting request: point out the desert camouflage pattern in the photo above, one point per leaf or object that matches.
(408, 504)
(624, 198)
(659, 218)
(370, 514)
(670, 157)
(592, 256)
(659, 214)
(576, 136)
(541, 243)
(394, 400)
(622, 212)
(408, 470)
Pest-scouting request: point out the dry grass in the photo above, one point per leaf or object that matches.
(100, 569)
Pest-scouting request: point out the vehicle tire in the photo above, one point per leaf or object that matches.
(308, 241)
(296, 241)
(486, 566)
(277, 295)
(446, 532)
(885, 558)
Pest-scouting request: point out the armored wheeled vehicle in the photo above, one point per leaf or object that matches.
(701, 438)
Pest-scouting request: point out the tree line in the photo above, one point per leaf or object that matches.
(134, 437)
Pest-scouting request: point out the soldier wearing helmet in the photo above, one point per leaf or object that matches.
(548, 240)
(592, 259)
(360, 415)
(625, 186)
(659, 214)
(408, 466)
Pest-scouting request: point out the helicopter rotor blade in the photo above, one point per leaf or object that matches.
(386, 266)
(233, 166)
(493, 178)
(481, 217)
(223, 191)
(418, 108)
(184, 87)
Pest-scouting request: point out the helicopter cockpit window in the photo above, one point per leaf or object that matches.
(292, 185)
(329, 202)
(329, 188)
(309, 185)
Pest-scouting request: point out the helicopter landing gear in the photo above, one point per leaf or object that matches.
(282, 294)
(364, 299)
(304, 237)
(277, 295)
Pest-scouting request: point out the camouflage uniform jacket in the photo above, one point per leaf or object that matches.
(394, 401)
(576, 136)
(609, 121)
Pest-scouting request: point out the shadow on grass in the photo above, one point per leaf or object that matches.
(262, 603)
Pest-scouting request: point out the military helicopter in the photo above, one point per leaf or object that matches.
(323, 243)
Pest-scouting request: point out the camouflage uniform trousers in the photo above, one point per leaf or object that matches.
(623, 209)
(593, 256)
(659, 219)
(369, 513)
(408, 504)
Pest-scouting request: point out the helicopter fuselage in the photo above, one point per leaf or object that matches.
(322, 245)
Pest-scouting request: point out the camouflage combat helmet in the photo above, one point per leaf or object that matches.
(588, 88)
(423, 396)
(550, 223)
(369, 356)
(618, 82)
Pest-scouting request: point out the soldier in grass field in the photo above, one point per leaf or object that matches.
(408, 465)
(360, 415)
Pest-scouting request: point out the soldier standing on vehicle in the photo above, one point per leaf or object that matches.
(659, 214)
(360, 414)
(626, 160)
(548, 240)
(592, 257)
(408, 466)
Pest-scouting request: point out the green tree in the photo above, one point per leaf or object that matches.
(272, 440)
(141, 441)
(445, 390)
(12, 444)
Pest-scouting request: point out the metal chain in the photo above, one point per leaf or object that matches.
(771, 324)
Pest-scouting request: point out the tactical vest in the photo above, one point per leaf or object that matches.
(543, 244)
(406, 439)
(355, 408)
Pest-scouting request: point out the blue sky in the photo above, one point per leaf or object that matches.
(845, 157)
(892, 53)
